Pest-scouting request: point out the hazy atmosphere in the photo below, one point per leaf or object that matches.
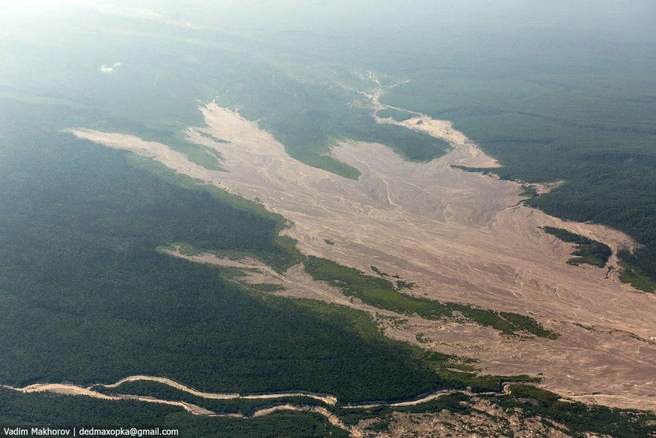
(367, 219)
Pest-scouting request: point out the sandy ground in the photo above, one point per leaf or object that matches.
(459, 236)
(491, 422)
(355, 431)
(328, 399)
(66, 389)
(434, 424)
(402, 422)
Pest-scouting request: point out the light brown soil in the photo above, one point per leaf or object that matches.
(328, 399)
(66, 389)
(491, 422)
(460, 237)
(546, 187)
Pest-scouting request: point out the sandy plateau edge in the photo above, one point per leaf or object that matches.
(459, 236)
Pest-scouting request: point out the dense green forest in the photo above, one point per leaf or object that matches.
(595, 131)
(58, 411)
(238, 406)
(50, 410)
(585, 115)
(580, 419)
(399, 116)
(81, 274)
(587, 250)
(545, 94)
(550, 107)
(87, 297)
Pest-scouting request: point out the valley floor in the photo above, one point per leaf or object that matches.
(458, 236)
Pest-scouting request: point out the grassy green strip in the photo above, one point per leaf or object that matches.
(587, 250)
(483, 170)
(381, 293)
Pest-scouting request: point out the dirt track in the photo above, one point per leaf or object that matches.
(460, 237)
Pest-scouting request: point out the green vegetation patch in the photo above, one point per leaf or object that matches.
(455, 403)
(483, 170)
(266, 287)
(529, 191)
(204, 156)
(587, 250)
(381, 293)
(286, 253)
(399, 116)
(378, 271)
(580, 418)
(632, 274)
(453, 372)
(211, 137)
(400, 284)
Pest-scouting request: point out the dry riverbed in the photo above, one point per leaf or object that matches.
(458, 236)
